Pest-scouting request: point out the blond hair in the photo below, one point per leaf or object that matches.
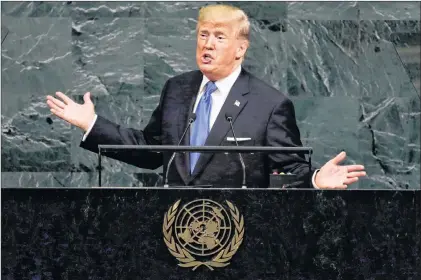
(225, 13)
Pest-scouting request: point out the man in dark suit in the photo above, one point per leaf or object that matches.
(261, 115)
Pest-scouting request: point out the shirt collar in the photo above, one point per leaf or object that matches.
(224, 85)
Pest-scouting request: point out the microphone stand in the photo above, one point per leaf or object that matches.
(191, 120)
(229, 119)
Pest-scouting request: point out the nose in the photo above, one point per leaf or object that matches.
(210, 42)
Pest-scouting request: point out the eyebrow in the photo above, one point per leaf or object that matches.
(217, 32)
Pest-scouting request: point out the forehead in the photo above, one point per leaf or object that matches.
(222, 26)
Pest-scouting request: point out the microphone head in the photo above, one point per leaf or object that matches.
(193, 117)
(228, 117)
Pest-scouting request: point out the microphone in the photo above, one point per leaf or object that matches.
(228, 117)
(191, 120)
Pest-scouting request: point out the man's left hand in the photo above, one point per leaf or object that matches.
(334, 176)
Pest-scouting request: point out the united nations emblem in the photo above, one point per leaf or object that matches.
(203, 232)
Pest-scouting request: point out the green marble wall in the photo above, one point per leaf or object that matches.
(351, 68)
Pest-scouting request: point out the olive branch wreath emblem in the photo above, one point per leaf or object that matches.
(185, 258)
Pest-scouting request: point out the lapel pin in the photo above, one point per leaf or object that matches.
(237, 103)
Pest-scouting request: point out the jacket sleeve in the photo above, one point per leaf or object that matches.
(106, 132)
(282, 131)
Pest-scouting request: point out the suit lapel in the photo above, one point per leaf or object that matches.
(189, 92)
(233, 105)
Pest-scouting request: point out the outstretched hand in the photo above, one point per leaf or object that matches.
(80, 115)
(334, 176)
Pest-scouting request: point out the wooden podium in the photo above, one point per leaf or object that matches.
(193, 233)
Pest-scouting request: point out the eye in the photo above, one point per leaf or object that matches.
(221, 37)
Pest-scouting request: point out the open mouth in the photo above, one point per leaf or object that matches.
(206, 58)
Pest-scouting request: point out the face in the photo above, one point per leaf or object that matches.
(218, 51)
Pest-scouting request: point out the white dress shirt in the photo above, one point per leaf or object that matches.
(218, 98)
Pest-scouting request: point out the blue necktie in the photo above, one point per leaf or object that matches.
(200, 129)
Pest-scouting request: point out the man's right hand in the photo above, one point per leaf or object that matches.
(80, 115)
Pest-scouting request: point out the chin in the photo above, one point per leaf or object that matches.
(206, 69)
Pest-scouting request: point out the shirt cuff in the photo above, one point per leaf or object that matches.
(90, 128)
(313, 179)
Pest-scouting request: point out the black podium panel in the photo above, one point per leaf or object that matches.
(285, 234)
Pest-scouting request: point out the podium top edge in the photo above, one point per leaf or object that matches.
(210, 149)
(95, 188)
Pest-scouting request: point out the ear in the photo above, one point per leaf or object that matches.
(242, 49)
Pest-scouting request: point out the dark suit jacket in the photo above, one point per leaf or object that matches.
(264, 115)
